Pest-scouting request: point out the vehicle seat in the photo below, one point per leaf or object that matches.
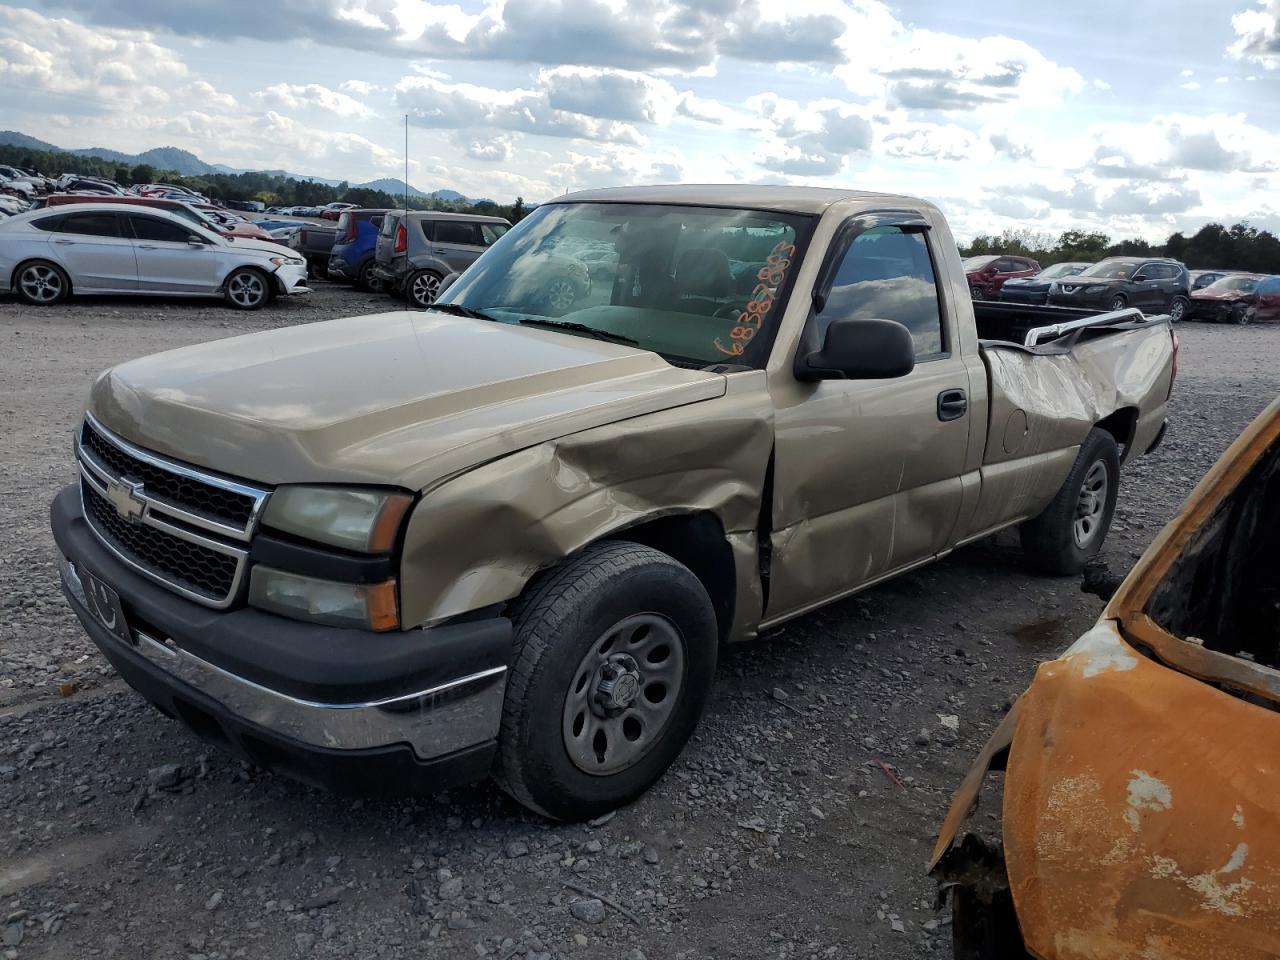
(702, 281)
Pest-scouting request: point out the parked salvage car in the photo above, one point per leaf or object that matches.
(1036, 289)
(313, 243)
(1231, 299)
(1154, 285)
(403, 550)
(353, 255)
(416, 251)
(233, 227)
(49, 255)
(1139, 795)
(987, 274)
(1202, 278)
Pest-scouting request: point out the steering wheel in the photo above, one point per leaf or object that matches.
(729, 310)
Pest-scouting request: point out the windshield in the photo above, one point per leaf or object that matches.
(696, 285)
(977, 263)
(1247, 284)
(1060, 270)
(1113, 269)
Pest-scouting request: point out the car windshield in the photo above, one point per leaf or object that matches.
(696, 285)
(977, 263)
(1113, 269)
(1247, 284)
(1060, 270)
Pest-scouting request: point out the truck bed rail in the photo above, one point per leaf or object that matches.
(1037, 335)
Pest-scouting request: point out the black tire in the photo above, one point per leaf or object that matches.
(422, 287)
(368, 280)
(41, 283)
(977, 293)
(247, 288)
(561, 616)
(1050, 541)
(985, 931)
(1118, 302)
(1177, 309)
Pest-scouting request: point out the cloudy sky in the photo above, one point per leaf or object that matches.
(1135, 118)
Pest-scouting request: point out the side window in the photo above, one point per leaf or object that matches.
(454, 231)
(149, 228)
(490, 232)
(377, 221)
(887, 274)
(91, 224)
(48, 223)
(1005, 265)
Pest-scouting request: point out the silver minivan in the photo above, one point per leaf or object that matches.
(417, 250)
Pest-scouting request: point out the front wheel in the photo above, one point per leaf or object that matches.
(423, 287)
(247, 289)
(977, 293)
(1241, 315)
(615, 651)
(1178, 309)
(1070, 531)
(42, 284)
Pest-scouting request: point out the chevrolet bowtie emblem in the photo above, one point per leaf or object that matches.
(126, 497)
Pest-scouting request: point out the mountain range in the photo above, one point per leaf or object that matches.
(187, 164)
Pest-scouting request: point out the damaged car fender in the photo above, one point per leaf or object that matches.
(507, 519)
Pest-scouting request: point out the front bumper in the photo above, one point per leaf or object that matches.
(351, 711)
(1211, 311)
(291, 280)
(1036, 296)
(1086, 301)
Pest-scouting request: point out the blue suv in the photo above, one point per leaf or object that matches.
(351, 259)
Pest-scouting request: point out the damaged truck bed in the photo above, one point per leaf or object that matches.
(1140, 812)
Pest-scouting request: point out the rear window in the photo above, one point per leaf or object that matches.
(47, 223)
(91, 224)
(389, 224)
(490, 232)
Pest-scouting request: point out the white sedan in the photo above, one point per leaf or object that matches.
(94, 248)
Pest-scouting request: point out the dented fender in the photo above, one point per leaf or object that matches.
(476, 539)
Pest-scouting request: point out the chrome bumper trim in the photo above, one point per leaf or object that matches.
(434, 722)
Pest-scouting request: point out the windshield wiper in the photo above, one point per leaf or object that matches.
(595, 332)
(461, 311)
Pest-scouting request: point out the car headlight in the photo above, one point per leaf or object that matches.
(1095, 288)
(363, 520)
(370, 606)
(288, 261)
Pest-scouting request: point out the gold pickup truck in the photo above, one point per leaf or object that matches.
(507, 535)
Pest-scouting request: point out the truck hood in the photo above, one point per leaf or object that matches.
(402, 398)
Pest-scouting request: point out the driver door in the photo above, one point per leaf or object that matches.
(168, 262)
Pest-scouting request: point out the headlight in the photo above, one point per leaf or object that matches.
(366, 521)
(1095, 288)
(371, 606)
(288, 261)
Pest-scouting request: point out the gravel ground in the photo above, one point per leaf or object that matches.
(779, 833)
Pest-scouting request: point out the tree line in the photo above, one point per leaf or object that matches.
(271, 189)
(1213, 246)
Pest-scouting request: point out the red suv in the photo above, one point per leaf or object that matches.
(987, 274)
(201, 217)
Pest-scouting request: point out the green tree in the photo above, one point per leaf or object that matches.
(142, 173)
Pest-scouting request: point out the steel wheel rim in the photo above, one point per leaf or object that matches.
(1091, 504)
(560, 294)
(41, 283)
(425, 288)
(246, 289)
(623, 694)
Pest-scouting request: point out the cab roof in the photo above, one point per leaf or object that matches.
(749, 196)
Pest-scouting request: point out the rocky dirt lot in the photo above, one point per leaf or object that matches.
(796, 825)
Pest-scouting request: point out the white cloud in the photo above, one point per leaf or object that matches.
(311, 96)
(1258, 34)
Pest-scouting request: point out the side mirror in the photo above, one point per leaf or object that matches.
(447, 282)
(860, 350)
(1141, 278)
(196, 242)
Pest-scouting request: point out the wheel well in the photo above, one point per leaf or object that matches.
(697, 540)
(1121, 425)
(13, 277)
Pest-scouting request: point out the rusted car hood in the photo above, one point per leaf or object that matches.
(1219, 295)
(401, 398)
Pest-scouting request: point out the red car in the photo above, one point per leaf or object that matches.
(200, 214)
(987, 274)
(1238, 298)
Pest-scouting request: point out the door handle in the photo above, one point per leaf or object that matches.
(146, 246)
(952, 405)
(64, 241)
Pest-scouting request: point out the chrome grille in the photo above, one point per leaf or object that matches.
(181, 526)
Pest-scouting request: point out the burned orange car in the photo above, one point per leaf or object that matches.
(1141, 794)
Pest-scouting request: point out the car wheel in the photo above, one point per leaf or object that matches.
(1070, 531)
(247, 289)
(41, 283)
(977, 293)
(423, 287)
(1241, 314)
(561, 294)
(1177, 309)
(615, 651)
(368, 280)
(1118, 302)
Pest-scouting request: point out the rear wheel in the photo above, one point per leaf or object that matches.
(1118, 302)
(247, 289)
(41, 283)
(368, 280)
(423, 287)
(1070, 531)
(1178, 309)
(614, 656)
(977, 293)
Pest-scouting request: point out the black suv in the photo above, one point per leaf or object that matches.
(1153, 285)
